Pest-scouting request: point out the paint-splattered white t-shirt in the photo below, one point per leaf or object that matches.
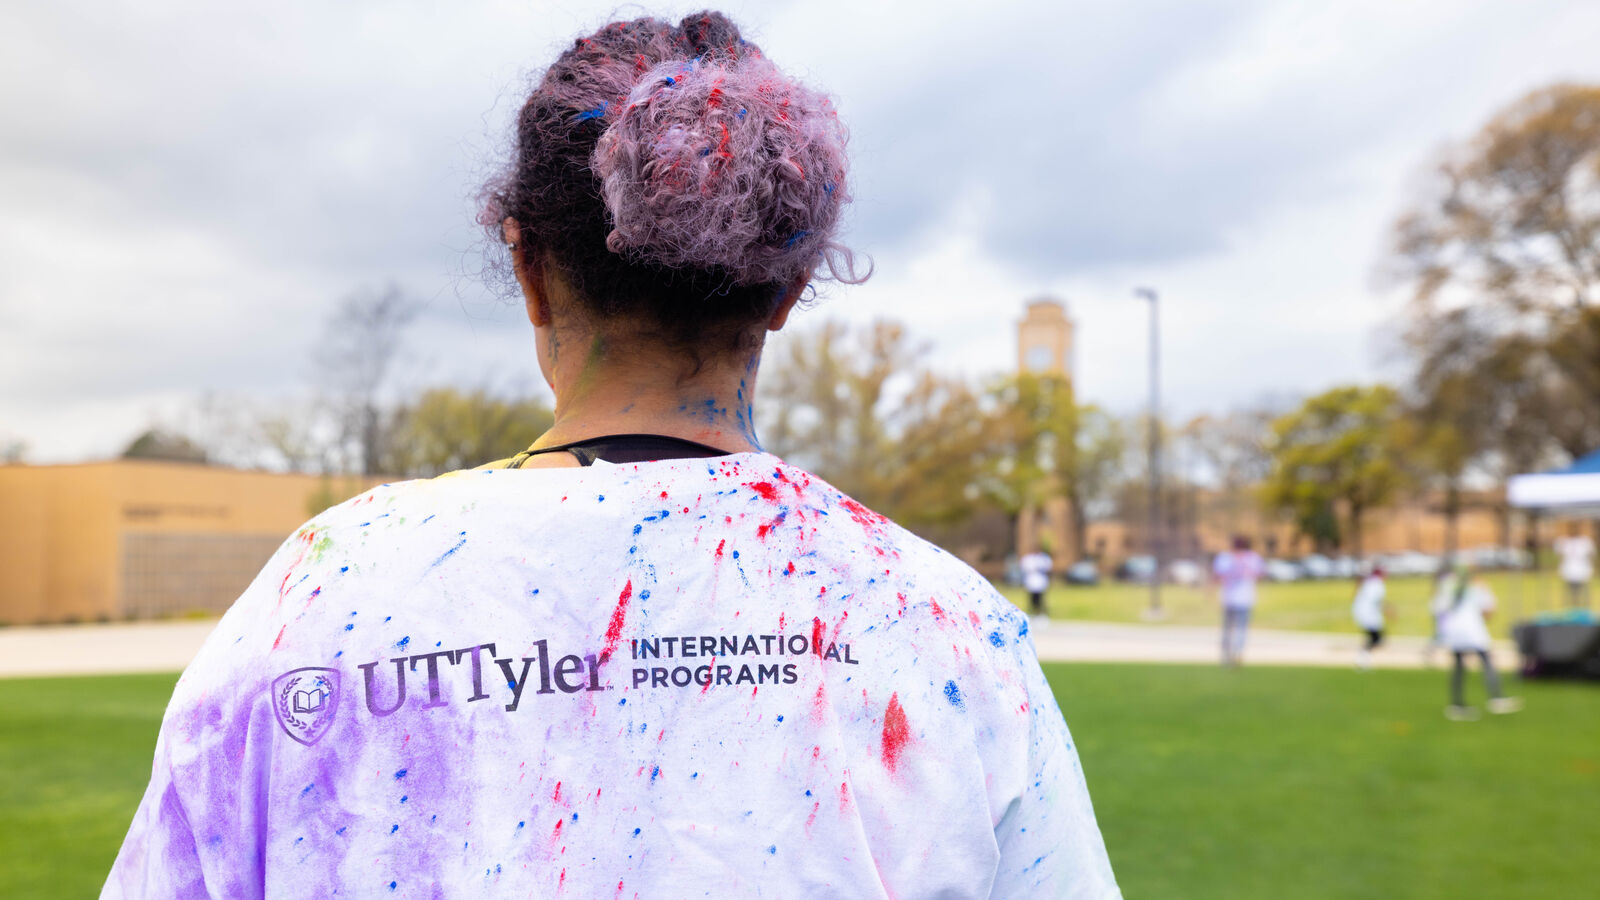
(688, 678)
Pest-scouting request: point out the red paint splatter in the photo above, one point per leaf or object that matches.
(556, 796)
(896, 732)
(768, 492)
(973, 618)
(780, 618)
(614, 630)
(864, 517)
(816, 636)
(844, 796)
(279, 638)
(938, 611)
(819, 705)
(720, 544)
(811, 819)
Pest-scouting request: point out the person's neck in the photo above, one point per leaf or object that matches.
(602, 389)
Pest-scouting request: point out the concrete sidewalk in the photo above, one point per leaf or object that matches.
(1066, 640)
(168, 647)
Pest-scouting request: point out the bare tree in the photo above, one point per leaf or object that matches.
(358, 349)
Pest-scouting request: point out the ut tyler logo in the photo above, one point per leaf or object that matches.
(305, 702)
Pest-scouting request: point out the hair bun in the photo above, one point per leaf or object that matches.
(723, 161)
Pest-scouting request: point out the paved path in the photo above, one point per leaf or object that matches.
(1073, 641)
(168, 647)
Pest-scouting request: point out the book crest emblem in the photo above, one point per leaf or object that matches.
(305, 701)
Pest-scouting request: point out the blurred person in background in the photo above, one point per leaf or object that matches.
(1235, 572)
(1577, 564)
(1370, 613)
(643, 657)
(1037, 568)
(1463, 608)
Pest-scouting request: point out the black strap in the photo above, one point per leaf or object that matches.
(624, 448)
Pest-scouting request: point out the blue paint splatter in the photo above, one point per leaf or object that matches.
(636, 832)
(952, 693)
(600, 498)
(773, 849)
(400, 774)
(404, 798)
(996, 639)
(393, 829)
(655, 773)
(349, 627)
(403, 642)
(308, 788)
(451, 552)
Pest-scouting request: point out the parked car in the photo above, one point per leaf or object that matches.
(1137, 569)
(1349, 567)
(1282, 570)
(1083, 572)
(1186, 572)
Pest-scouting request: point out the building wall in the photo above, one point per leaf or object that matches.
(137, 538)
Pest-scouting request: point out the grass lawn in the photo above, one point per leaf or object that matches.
(1279, 782)
(1297, 605)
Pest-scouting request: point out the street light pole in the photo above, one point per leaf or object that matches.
(1155, 531)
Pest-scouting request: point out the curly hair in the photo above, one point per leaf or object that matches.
(676, 178)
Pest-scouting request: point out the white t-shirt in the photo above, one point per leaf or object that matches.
(1238, 571)
(1036, 568)
(712, 677)
(1461, 624)
(1368, 606)
(1577, 557)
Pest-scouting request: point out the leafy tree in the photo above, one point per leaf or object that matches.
(1031, 442)
(1337, 450)
(445, 429)
(157, 443)
(1502, 253)
(862, 409)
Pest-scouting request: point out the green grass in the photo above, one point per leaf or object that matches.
(1327, 783)
(1270, 782)
(74, 759)
(1297, 606)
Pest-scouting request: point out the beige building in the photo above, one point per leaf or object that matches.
(138, 538)
(1044, 339)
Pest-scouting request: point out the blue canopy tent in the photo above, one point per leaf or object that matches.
(1573, 491)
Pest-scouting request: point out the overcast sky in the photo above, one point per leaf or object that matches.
(186, 188)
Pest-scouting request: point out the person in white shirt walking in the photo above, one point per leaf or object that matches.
(1577, 564)
(1370, 613)
(1463, 606)
(1236, 572)
(1037, 568)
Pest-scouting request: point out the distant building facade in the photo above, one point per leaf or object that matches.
(142, 539)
